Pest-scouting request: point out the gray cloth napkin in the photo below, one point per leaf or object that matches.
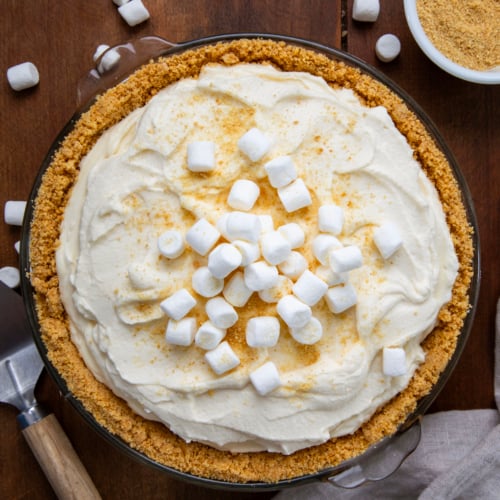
(458, 457)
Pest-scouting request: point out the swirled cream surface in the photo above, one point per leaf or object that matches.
(134, 185)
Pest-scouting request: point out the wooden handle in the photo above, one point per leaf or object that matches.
(59, 461)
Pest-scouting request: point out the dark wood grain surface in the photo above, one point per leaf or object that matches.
(60, 38)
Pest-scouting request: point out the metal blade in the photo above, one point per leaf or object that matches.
(20, 362)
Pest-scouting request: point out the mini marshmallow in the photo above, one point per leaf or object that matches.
(108, 61)
(294, 265)
(178, 304)
(394, 361)
(308, 334)
(272, 295)
(365, 10)
(205, 283)
(295, 196)
(171, 244)
(345, 259)
(330, 219)
(243, 195)
(223, 260)
(13, 212)
(10, 276)
(387, 47)
(322, 245)
(221, 313)
(293, 233)
(250, 252)
(263, 331)
(340, 298)
(293, 311)
(266, 378)
(387, 238)
(254, 144)
(181, 332)
(17, 246)
(243, 226)
(260, 276)
(236, 291)
(266, 224)
(330, 277)
(99, 51)
(280, 171)
(221, 224)
(23, 76)
(134, 12)
(222, 358)
(201, 156)
(202, 236)
(309, 288)
(275, 247)
(209, 336)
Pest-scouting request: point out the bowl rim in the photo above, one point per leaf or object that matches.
(490, 77)
(424, 403)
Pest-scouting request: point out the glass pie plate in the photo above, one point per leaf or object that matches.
(383, 457)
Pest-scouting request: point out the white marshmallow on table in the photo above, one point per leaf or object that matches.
(262, 331)
(223, 260)
(274, 294)
(322, 245)
(365, 10)
(293, 233)
(340, 298)
(201, 156)
(345, 259)
(134, 12)
(171, 244)
(222, 358)
(394, 361)
(202, 236)
(13, 212)
(17, 246)
(205, 283)
(260, 275)
(236, 291)
(266, 223)
(254, 144)
(178, 304)
(308, 334)
(309, 288)
(330, 219)
(387, 238)
(387, 47)
(275, 247)
(181, 332)
(99, 51)
(250, 252)
(10, 276)
(243, 226)
(294, 265)
(266, 378)
(330, 277)
(293, 311)
(209, 336)
(295, 196)
(23, 76)
(108, 61)
(221, 313)
(280, 171)
(243, 195)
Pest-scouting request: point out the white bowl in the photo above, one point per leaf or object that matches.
(490, 77)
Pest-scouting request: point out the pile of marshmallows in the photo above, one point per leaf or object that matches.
(258, 258)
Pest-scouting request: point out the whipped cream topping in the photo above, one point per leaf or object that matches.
(134, 185)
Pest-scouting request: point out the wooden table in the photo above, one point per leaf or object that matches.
(60, 38)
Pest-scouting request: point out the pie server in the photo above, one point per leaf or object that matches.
(20, 368)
